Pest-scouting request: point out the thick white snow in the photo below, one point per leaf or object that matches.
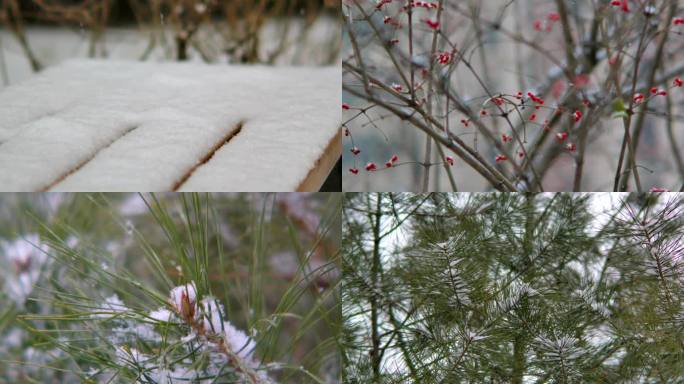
(91, 125)
(161, 314)
(241, 344)
(212, 314)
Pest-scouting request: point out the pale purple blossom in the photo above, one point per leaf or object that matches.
(27, 256)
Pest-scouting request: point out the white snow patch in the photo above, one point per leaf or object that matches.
(130, 126)
(161, 314)
(133, 205)
(13, 339)
(241, 344)
(112, 306)
(212, 315)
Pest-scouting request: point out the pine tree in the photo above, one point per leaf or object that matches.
(169, 288)
(513, 288)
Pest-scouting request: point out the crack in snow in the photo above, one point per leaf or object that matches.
(88, 159)
(209, 155)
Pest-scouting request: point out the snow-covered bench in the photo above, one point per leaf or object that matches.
(126, 126)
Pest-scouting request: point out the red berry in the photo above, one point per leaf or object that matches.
(371, 167)
(621, 3)
(345, 106)
(571, 147)
(394, 158)
(354, 170)
(678, 82)
(577, 115)
(444, 58)
(355, 151)
(537, 25)
(500, 158)
(449, 160)
(561, 136)
(432, 24)
(613, 60)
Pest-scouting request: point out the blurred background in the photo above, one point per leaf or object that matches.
(40, 33)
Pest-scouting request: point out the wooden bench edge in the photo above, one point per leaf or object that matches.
(321, 169)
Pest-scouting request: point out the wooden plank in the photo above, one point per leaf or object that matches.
(323, 166)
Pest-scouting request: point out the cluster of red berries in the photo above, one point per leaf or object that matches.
(623, 4)
(658, 92)
(500, 158)
(391, 161)
(382, 3)
(390, 21)
(422, 4)
(534, 98)
(639, 97)
(546, 24)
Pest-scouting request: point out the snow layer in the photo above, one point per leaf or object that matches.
(239, 342)
(161, 314)
(91, 125)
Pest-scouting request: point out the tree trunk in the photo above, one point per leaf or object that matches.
(375, 277)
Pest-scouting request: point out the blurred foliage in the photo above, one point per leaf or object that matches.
(210, 28)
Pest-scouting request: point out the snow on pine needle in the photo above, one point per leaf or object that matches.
(562, 348)
(445, 257)
(164, 296)
(208, 332)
